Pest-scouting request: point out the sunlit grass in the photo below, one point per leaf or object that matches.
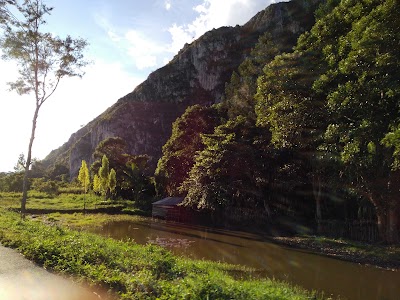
(37, 200)
(82, 221)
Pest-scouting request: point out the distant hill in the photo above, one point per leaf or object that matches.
(196, 75)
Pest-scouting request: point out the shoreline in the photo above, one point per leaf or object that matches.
(360, 253)
(338, 250)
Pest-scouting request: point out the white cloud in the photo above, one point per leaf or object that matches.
(168, 4)
(104, 23)
(179, 36)
(214, 14)
(143, 50)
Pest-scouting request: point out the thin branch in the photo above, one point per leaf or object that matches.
(54, 89)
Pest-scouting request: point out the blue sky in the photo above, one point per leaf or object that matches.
(128, 39)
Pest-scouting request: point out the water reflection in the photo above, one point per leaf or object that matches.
(334, 277)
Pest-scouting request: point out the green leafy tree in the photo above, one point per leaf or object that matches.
(181, 148)
(104, 176)
(240, 91)
(58, 172)
(295, 114)
(115, 148)
(335, 99)
(84, 179)
(43, 60)
(236, 170)
(96, 184)
(12, 182)
(43, 185)
(362, 89)
(112, 181)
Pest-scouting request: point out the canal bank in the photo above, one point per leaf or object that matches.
(268, 258)
(385, 257)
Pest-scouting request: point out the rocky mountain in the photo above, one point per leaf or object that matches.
(196, 75)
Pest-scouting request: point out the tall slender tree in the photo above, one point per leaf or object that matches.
(103, 174)
(42, 58)
(112, 181)
(84, 179)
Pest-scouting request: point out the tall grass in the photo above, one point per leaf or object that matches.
(39, 200)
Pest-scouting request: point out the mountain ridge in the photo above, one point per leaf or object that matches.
(196, 75)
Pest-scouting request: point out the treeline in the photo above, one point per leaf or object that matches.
(312, 133)
(114, 174)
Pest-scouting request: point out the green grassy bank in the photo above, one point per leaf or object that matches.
(135, 271)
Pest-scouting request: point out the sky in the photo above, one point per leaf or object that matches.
(128, 39)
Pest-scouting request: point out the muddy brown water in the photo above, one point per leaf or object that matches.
(21, 279)
(313, 272)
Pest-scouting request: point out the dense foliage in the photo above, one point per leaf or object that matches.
(320, 123)
(181, 148)
(130, 171)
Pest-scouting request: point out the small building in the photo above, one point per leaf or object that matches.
(169, 209)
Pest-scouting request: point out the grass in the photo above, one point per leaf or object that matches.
(65, 202)
(386, 256)
(135, 271)
(37, 200)
(387, 252)
(82, 221)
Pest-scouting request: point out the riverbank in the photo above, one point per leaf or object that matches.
(381, 256)
(135, 271)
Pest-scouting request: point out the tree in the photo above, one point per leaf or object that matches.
(58, 172)
(236, 170)
(96, 184)
(240, 91)
(104, 176)
(362, 88)
(112, 181)
(4, 12)
(136, 181)
(84, 179)
(43, 60)
(181, 148)
(20, 166)
(294, 113)
(115, 148)
(337, 97)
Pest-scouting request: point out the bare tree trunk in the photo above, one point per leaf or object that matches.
(382, 220)
(317, 191)
(28, 163)
(389, 225)
(267, 208)
(393, 226)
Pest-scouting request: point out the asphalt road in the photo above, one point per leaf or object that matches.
(20, 279)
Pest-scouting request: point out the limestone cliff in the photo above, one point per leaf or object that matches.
(196, 75)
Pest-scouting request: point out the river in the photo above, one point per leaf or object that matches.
(313, 272)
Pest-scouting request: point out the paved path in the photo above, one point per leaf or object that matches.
(20, 279)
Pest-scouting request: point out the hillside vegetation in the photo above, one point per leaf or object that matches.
(310, 133)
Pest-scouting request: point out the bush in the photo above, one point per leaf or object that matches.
(49, 187)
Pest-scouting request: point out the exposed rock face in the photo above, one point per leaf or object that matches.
(196, 75)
